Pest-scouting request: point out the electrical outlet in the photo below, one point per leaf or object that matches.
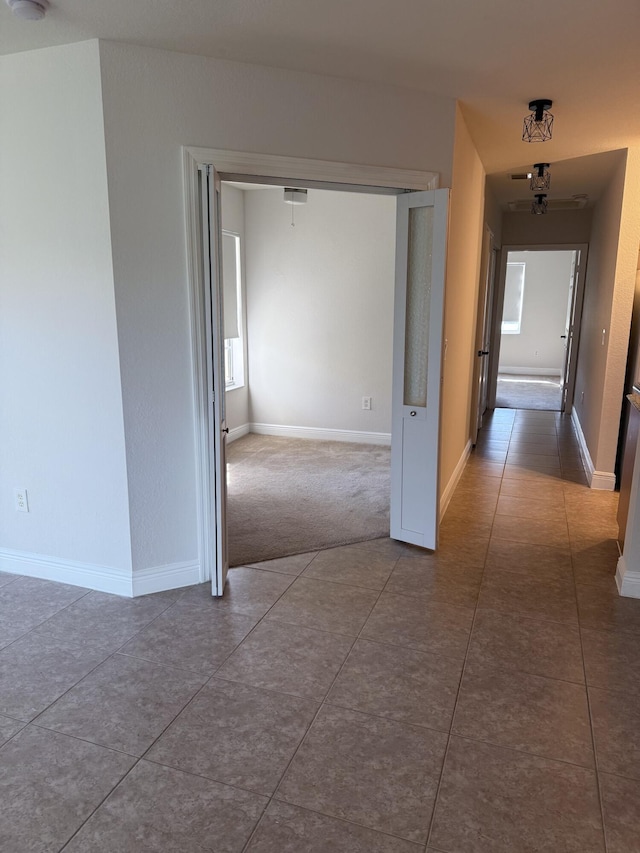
(22, 500)
(366, 403)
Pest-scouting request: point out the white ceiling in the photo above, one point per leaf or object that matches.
(493, 55)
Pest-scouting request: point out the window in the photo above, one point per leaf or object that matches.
(513, 297)
(232, 303)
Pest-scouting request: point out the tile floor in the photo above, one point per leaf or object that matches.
(373, 697)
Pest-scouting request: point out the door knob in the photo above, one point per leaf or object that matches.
(483, 352)
(563, 336)
(226, 429)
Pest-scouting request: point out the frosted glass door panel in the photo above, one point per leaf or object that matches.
(421, 238)
(419, 256)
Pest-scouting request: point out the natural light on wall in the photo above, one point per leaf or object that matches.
(232, 295)
(513, 297)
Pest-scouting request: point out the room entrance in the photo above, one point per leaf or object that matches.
(538, 326)
(421, 219)
(308, 375)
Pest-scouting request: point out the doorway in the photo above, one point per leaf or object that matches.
(308, 458)
(421, 232)
(537, 327)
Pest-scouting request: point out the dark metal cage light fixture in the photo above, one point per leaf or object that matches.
(538, 125)
(539, 204)
(541, 178)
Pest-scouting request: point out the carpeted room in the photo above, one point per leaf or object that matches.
(308, 464)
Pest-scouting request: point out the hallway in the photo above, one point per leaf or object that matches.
(371, 698)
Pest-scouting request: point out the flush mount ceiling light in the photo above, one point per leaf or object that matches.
(29, 10)
(295, 196)
(539, 206)
(541, 178)
(538, 125)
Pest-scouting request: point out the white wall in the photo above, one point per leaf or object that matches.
(155, 102)
(232, 211)
(544, 312)
(320, 309)
(61, 425)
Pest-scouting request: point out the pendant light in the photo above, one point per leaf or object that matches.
(538, 125)
(541, 177)
(539, 205)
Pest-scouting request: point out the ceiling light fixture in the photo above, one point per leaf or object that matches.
(541, 178)
(294, 197)
(29, 10)
(539, 206)
(538, 125)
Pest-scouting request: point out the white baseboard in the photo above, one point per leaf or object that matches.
(354, 436)
(603, 480)
(628, 582)
(238, 432)
(454, 479)
(162, 578)
(88, 575)
(531, 371)
(100, 578)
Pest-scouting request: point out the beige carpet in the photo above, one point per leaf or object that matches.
(529, 392)
(287, 496)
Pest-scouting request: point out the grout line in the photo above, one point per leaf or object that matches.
(457, 697)
(591, 725)
(315, 717)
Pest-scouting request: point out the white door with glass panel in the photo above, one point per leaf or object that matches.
(421, 232)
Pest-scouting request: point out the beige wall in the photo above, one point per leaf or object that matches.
(463, 272)
(609, 291)
(561, 226)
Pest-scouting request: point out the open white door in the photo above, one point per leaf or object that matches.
(571, 333)
(483, 334)
(421, 234)
(214, 319)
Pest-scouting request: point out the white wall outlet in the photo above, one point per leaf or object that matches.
(366, 403)
(22, 500)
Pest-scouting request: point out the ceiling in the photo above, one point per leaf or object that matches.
(494, 56)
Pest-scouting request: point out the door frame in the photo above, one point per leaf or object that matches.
(484, 328)
(498, 305)
(268, 168)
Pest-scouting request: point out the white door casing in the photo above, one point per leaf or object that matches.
(421, 235)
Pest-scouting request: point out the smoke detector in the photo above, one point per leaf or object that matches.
(29, 10)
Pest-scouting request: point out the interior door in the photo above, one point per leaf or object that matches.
(214, 332)
(570, 338)
(483, 333)
(421, 234)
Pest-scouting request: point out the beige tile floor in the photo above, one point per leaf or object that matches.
(373, 697)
